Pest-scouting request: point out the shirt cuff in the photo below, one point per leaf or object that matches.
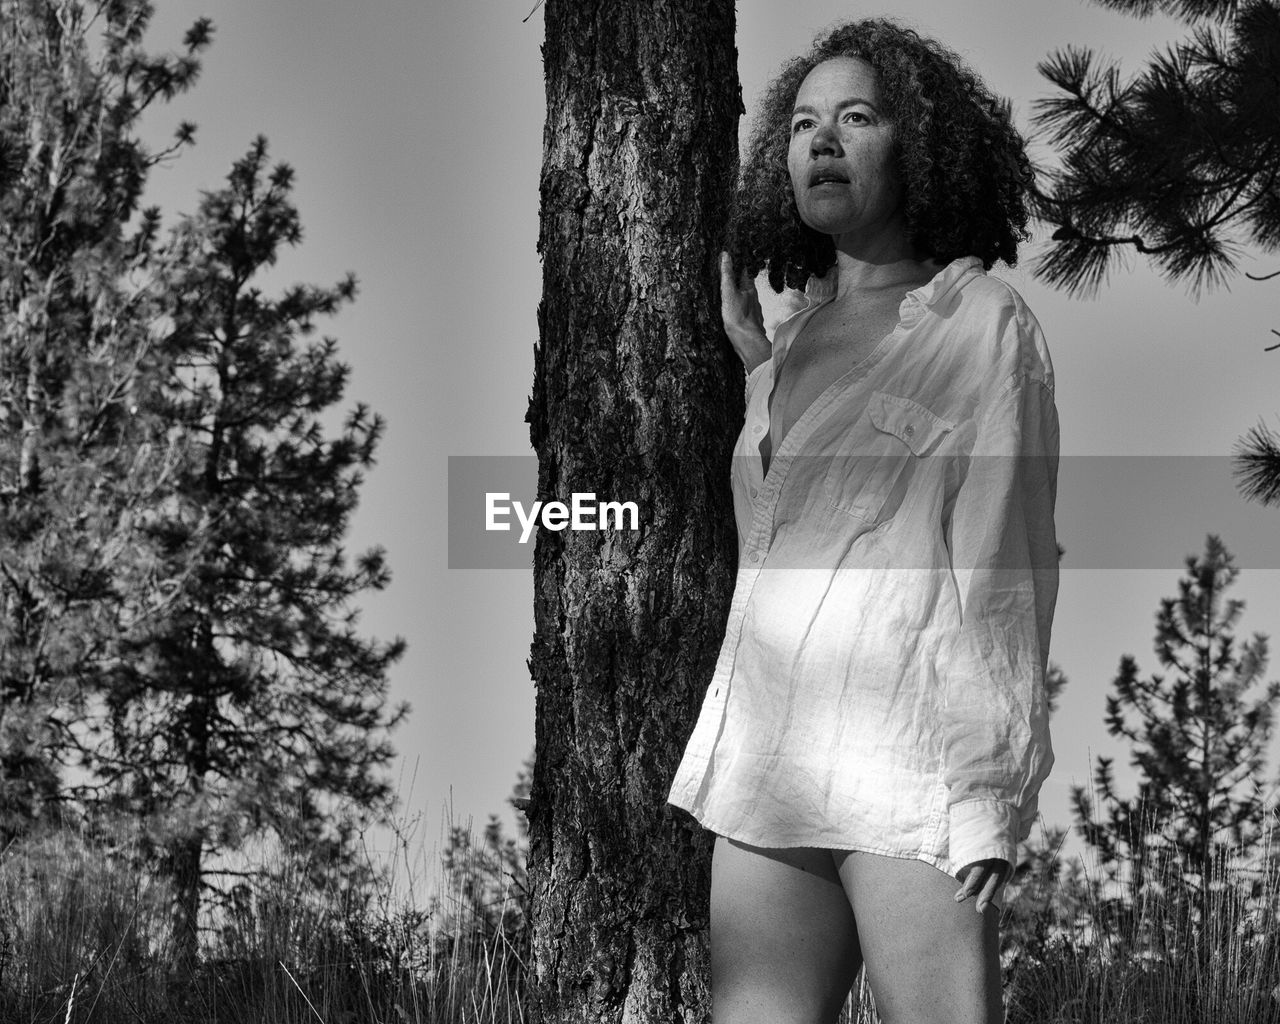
(983, 830)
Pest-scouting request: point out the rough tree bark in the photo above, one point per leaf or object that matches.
(636, 397)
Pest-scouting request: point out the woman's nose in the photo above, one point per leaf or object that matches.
(825, 141)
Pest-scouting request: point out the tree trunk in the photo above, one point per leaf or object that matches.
(185, 870)
(636, 397)
(185, 860)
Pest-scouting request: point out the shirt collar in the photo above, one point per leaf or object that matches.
(916, 301)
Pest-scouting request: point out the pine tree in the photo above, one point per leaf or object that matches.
(1181, 163)
(1199, 742)
(253, 705)
(177, 632)
(636, 397)
(76, 459)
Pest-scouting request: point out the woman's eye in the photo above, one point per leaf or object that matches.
(856, 117)
(801, 125)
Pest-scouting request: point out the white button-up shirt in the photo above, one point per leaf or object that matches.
(881, 682)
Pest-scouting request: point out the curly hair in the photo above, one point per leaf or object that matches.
(962, 164)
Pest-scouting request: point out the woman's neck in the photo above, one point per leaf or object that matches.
(887, 265)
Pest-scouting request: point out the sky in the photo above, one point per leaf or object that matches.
(415, 131)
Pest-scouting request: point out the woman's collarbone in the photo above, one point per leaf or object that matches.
(835, 345)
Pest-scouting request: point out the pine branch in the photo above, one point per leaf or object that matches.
(1185, 10)
(1166, 166)
(1257, 465)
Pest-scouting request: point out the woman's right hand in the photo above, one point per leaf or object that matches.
(742, 316)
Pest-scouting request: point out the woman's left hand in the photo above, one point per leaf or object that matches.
(983, 878)
(743, 318)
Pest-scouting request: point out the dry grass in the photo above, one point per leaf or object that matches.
(1168, 951)
(84, 939)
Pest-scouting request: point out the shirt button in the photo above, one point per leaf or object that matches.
(755, 556)
(909, 430)
(759, 428)
(754, 492)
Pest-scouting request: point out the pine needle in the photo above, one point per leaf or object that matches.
(71, 1000)
(299, 988)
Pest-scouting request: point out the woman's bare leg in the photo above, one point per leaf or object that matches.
(929, 959)
(784, 947)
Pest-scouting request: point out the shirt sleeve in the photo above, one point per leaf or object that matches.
(753, 378)
(1004, 566)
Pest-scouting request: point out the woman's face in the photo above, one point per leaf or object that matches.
(841, 155)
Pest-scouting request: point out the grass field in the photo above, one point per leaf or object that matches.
(83, 939)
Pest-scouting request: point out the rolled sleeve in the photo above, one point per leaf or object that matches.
(1004, 565)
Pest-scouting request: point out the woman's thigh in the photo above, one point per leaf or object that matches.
(784, 947)
(928, 958)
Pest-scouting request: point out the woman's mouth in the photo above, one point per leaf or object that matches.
(826, 176)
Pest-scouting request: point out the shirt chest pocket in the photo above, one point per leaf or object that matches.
(874, 463)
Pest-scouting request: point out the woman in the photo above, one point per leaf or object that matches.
(877, 729)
